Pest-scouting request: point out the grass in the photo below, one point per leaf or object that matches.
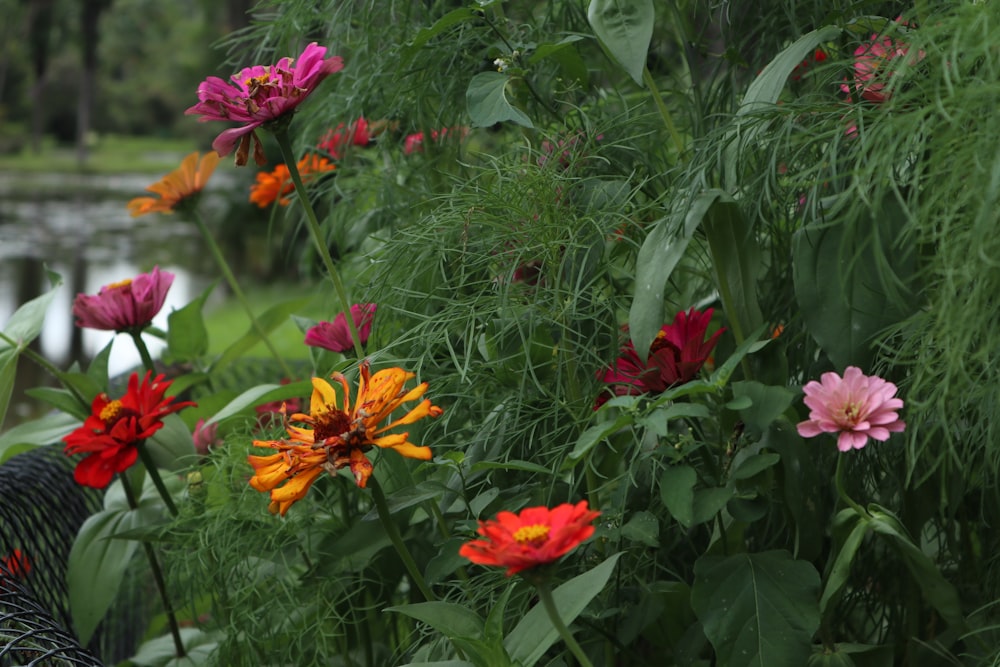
(109, 154)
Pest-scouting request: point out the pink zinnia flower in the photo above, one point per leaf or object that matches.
(262, 94)
(856, 406)
(335, 141)
(125, 305)
(676, 356)
(873, 66)
(336, 335)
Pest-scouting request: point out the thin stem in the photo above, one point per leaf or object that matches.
(664, 111)
(227, 273)
(154, 566)
(317, 235)
(545, 595)
(140, 344)
(154, 474)
(842, 492)
(397, 540)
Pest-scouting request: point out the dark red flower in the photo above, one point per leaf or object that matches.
(676, 356)
(536, 536)
(111, 434)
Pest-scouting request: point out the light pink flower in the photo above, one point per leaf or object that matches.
(336, 335)
(262, 94)
(125, 305)
(873, 66)
(856, 406)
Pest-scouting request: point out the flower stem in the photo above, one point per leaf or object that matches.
(842, 492)
(397, 540)
(317, 235)
(227, 273)
(154, 474)
(545, 595)
(664, 111)
(154, 566)
(140, 344)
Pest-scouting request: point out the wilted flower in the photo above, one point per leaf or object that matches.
(262, 94)
(334, 437)
(177, 187)
(536, 536)
(125, 305)
(336, 335)
(675, 356)
(873, 65)
(111, 434)
(856, 406)
(277, 184)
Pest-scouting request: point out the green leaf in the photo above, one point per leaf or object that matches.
(160, 652)
(263, 393)
(187, 337)
(745, 468)
(47, 430)
(563, 52)
(768, 402)
(625, 27)
(533, 636)
(441, 663)
(526, 466)
(97, 563)
(662, 249)
(172, 447)
(677, 492)
(595, 434)
(452, 18)
(736, 259)
(8, 372)
(757, 609)
(450, 619)
(643, 528)
(841, 568)
(269, 320)
(487, 101)
(60, 399)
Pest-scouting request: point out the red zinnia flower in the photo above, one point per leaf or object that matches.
(675, 356)
(125, 305)
(262, 94)
(536, 536)
(335, 141)
(17, 564)
(111, 434)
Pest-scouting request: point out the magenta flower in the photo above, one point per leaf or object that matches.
(205, 437)
(125, 305)
(857, 407)
(262, 94)
(676, 356)
(873, 66)
(336, 335)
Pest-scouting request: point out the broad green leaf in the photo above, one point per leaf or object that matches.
(8, 372)
(841, 568)
(595, 434)
(810, 511)
(564, 52)
(768, 402)
(264, 393)
(61, 399)
(662, 249)
(269, 320)
(758, 608)
(625, 27)
(721, 375)
(937, 590)
(172, 447)
(48, 430)
(677, 492)
(488, 104)
(736, 260)
(450, 619)
(97, 561)
(187, 337)
(643, 528)
(159, 652)
(452, 18)
(745, 468)
(533, 636)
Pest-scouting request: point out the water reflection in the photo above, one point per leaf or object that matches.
(78, 226)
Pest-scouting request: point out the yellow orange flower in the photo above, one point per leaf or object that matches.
(277, 185)
(334, 436)
(179, 185)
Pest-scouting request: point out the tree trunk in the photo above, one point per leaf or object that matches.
(90, 14)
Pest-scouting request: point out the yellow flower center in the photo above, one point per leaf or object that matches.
(850, 414)
(119, 284)
(111, 412)
(533, 535)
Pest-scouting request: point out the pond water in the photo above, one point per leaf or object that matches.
(78, 226)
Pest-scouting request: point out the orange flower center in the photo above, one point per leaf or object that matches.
(111, 412)
(533, 535)
(330, 424)
(119, 284)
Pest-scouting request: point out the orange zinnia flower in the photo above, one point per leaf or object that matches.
(277, 185)
(179, 185)
(334, 437)
(536, 536)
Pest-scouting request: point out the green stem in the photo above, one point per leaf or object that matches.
(545, 595)
(227, 273)
(154, 566)
(154, 474)
(140, 344)
(661, 106)
(842, 492)
(45, 364)
(397, 540)
(317, 235)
